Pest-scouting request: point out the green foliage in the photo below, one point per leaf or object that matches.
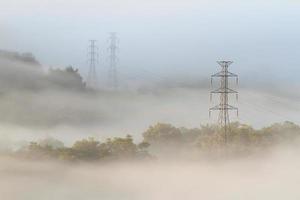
(86, 150)
(36, 151)
(122, 147)
(241, 138)
(282, 132)
(163, 134)
(166, 139)
(54, 143)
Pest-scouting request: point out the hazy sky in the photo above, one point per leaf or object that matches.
(161, 36)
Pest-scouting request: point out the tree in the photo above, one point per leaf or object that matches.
(54, 143)
(163, 134)
(143, 145)
(87, 149)
(281, 132)
(36, 151)
(68, 78)
(122, 147)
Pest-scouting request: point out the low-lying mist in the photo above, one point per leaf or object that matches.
(38, 104)
(273, 177)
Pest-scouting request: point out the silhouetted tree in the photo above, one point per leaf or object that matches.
(67, 78)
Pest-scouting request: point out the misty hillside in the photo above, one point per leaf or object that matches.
(34, 98)
(27, 89)
(25, 58)
(149, 100)
(24, 72)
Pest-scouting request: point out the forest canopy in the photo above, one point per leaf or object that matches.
(166, 141)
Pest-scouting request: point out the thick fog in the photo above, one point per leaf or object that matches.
(272, 176)
(36, 105)
(167, 52)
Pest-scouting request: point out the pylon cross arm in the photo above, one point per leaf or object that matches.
(225, 107)
(224, 62)
(224, 90)
(224, 74)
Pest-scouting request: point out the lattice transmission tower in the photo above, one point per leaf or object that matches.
(223, 91)
(113, 59)
(93, 55)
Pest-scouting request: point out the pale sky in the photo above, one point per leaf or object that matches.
(162, 36)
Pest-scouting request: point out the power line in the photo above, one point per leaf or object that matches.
(223, 91)
(112, 71)
(92, 60)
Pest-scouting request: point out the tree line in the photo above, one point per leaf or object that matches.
(164, 140)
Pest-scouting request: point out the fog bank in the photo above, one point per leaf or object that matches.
(267, 177)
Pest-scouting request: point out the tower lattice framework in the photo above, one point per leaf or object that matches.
(92, 80)
(224, 91)
(112, 71)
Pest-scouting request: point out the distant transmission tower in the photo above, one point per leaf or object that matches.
(92, 60)
(223, 91)
(112, 72)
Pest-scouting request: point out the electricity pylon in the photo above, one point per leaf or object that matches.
(223, 91)
(112, 71)
(92, 60)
